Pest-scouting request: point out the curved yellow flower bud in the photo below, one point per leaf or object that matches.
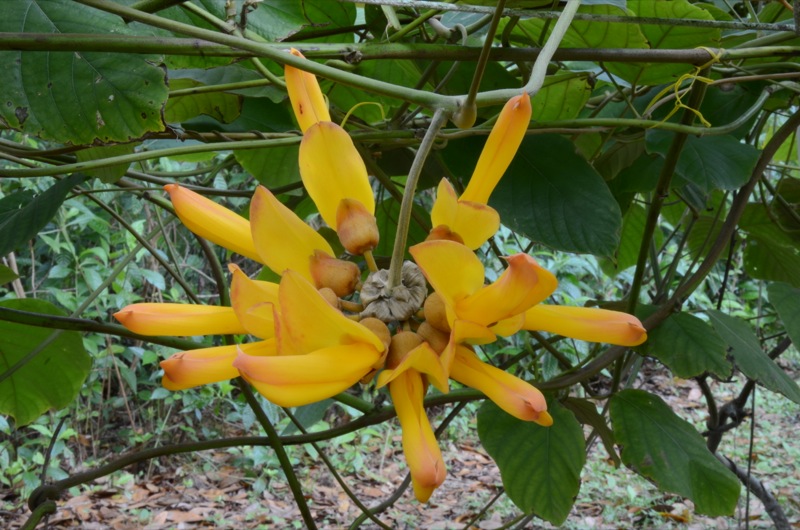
(283, 240)
(587, 323)
(179, 319)
(515, 396)
(307, 100)
(332, 170)
(500, 148)
(211, 221)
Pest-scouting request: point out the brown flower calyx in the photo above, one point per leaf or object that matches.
(398, 304)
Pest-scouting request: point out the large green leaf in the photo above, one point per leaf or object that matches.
(666, 37)
(786, 300)
(659, 445)
(540, 466)
(709, 162)
(561, 98)
(221, 106)
(584, 33)
(52, 378)
(21, 224)
(328, 16)
(688, 346)
(274, 20)
(772, 252)
(750, 358)
(273, 167)
(553, 196)
(78, 97)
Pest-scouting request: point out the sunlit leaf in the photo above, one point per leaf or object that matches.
(52, 377)
(750, 358)
(78, 97)
(540, 466)
(659, 445)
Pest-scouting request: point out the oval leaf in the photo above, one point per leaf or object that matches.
(540, 466)
(78, 97)
(750, 358)
(49, 380)
(688, 346)
(659, 445)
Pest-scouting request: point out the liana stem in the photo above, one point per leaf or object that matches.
(403, 220)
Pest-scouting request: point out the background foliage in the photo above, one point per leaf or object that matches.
(659, 176)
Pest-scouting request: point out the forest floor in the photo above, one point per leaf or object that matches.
(209, 490)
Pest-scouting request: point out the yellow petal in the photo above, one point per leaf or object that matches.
(211, 221)
(500, 148)
(422, 359)
(515, 396)
(309, 323)
(307, 101)
(474, 223)
(332, 170)
(508, 326)
(208, 365)
(419, 442)
(465, 332)
(523, 284)
(587, 323)
(295, 380)
(179, 319)
(452, 269)
(283, 240)
(248, 298)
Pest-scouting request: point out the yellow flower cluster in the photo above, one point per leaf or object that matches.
(310, 348)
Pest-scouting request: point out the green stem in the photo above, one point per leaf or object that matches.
(404, 217)
(280, 452)
(539, 70)
(414, 24)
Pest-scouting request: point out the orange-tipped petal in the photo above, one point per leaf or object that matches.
(520, 399)
(332, 170)
(523, 284)
(309, 323)
(465, 332)
(295, 380)
(472, 222)
(307, 100)
(587, 323)
(500, 148)
(419, 442)
(422, 359)
(253, 302)
(211, 221)
(283, 240)
(179, 319)
(452, 269)
(208, 365)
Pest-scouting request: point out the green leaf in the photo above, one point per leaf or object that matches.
(704, 232)
(308, 415)
(109, 174)
(750, 358)
(328, 16)
(765, 260)
(631, 239)
(585, 411)
(52, 378)
(540, 466)
(7, 275)
(584, 33)
(553, 196)
(78, 97)
(386, 214)
(709, 162)
(786, 300)
(666, 37)
(660, 446)
(272, 167)
(221, 106)
(562, 97)
(688, 346)
(20, 225)
(274, 20)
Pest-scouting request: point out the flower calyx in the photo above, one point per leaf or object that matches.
(398, 304)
